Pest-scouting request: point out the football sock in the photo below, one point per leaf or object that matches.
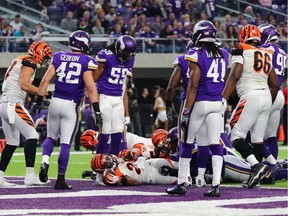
(252, 160)
(115, 143)
(271, 159)
(217, 163)
(29, 171)
(194, 165)
(183, 167)
(186, 150)
(63, 158)
(30, 152)
(103, 140)
(273, 146)
(6, 156)
(258, 151)
(47, 146)
(203, 156)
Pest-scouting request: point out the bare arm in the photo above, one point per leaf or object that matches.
(173, 83)
(90, 86)
(97, 73)
(235, 74)
(273, 84)
(125, 98)
(25, 80)
(50, 73)
(194, 79)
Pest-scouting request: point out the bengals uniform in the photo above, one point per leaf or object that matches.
(252, 110)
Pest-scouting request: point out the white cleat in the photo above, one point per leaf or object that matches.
(33, 180)
(200, 181)
(4, 183)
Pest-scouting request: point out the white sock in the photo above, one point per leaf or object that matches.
(271, 159)
(217, 163)
(1, 174)
(252, 160)
(29, 171)
(183, 167)
(45, 159)
(201, 172)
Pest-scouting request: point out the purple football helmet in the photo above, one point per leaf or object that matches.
(173, 140)
(125, 48)
(204, 31)
(80, 41)
(268, 33)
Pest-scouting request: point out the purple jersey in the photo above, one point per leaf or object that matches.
(112, 80)
(183, 64)
(211, 82)
(279, 60)
(70, 67)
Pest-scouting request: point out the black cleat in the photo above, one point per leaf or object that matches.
(213, 192)
(61, 185)
(177, 189)
(86, 173)
(258, 172)
(43, 173)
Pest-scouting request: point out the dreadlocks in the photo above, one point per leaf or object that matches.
(111, 47)
(212, 49)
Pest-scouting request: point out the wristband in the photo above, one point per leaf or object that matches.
(95, 106)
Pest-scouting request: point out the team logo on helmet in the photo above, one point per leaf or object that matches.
(249, 33)
(41, 52)
(125, 48)
(89, 139)
(80, 41)
(268, 33)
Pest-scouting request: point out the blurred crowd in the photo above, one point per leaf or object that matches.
(146, 19)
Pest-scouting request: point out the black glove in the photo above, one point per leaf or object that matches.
(97, 115)
(37, 106)
(49, 96)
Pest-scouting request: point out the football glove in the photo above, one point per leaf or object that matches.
(37, 106)
(97, 115)
(127, 121)
(49, 96)
(184, 119)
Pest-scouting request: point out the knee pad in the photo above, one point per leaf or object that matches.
(243, 147)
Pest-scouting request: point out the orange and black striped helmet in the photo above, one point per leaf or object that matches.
(249, 33)
(159, 138)
(41, 52)
(101, 161)
(89, 139)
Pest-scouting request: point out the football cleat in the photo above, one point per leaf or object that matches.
(258, 172)
(43, 172)
(4, 183)
(189, 181)
(33, 180)
(86, 173)
(272, 169)
(213, 192)
(200, 181)
(61, 185)
(178, 189)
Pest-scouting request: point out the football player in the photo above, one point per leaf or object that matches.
(253, 76)
(203, 103)
(115, 67)
(73, 72)
(269, 37)
(15, 117)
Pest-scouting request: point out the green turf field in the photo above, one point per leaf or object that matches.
(80, 161)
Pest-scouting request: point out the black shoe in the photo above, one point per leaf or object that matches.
(61, 185)
(213, 192)
(86, 173)
(43, 173)
(177, 189)
(258, 172)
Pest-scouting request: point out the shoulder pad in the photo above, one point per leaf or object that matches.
(28, 62)
(237, 49)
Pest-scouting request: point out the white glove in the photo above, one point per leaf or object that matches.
(127, 120)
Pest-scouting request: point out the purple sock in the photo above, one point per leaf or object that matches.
(63, 158)
(203, 155)
(47, 146)
(123, 145)
(103, 139)
(216, 149)
(194, 165)
(115, 143)
(266, 150)
(186, 150)
(281, 174)
(273, 146)
(225, 140)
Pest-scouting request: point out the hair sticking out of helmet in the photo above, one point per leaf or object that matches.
(125, 48)
(204, 31)
(218, 42)
(41, 52)
(80, 41)
(89, 139)
(249, 33)
(159, 138)
(189, 45)
(268, 33)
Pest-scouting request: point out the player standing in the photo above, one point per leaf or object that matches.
(114, 67)
(73, 72)
(15, 117)
(251, 68)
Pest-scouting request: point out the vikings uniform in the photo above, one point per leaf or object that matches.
(145, 171)
(279, 64)
(69, 90)
(208, 106)
(252, 110)
(15, 117)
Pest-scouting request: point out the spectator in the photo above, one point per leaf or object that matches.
(167, 33)
(44, 16)
(171, 19)
(124, 8)
(220, 32)
(111, 15)
(22, 42)
(68, 23)
(82, 25)
(258, 19)
(157, 25)
(161, 120)
(154, 8)
(175, 6)
(180, 41)
(249, 11)
(148, 34)
(144, 98)
(8, 32)
(104, 22)
(187, 30)
(16, 23)
(3, 24)
(116, 32)
(231, 37)
(139, 9)
(37, 33)
(131, 27)
(98, 28)
(227, 21)
(89, 20)
(70, 5)
(81, 8)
